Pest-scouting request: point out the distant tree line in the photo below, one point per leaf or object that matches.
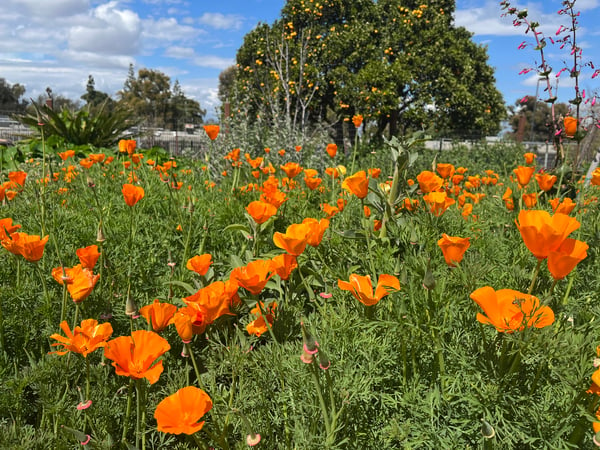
(150, 98)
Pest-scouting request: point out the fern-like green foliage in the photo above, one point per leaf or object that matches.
(100, 128)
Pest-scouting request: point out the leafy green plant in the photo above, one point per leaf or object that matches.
(99, 128)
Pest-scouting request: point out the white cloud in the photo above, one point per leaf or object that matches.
(179, 52)
(212, 61)
(222, 21)
(48, 9)
(109, 31)
(158, 33)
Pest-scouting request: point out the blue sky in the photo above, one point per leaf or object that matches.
(58, 43)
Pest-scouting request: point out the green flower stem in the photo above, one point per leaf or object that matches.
(354, 152)
(44, 287)
(188, 347)
(43, 184)
(568, 291)
(315, 378)
(127, 412)
(141, 413)
(535, 275)
(367, 223)
(267, 324)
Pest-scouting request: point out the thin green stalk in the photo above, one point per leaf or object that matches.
(138, 407)
(535, 275)
(127, 411)
(44, 287)
(568, 291)
(315, 378)
(188, 347)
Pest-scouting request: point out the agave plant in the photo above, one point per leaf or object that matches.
(100, 128)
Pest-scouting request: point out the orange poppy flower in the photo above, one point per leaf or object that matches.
(333, 172)
(212, 131)
(30, 247)
(562, 261)
(295, 238)
(374, 172)
(357, 184)
(445, 170)
(158, 314)
(291, 169)
(595, 180)
(543, 233)
(84, 339)
(509, 310)
(136, 356)
(508, 200)
(283, 265)
(17, 177)
(564, 207)
(317, 230)
(183, 321)
(261, 211)
(298, 148)
(211, 302)
(524, 174)
(331, 150)
(66, 154)
(329, 210)
(80, 281)
(7, 228)
(570, 124)
(312, 183)
(132, 194)
(545, 181)
(258, 326)
(429, 181)
(530, 200)
(88, 256)
(253, 276)
(180, 413)
(454, 247)
(254, 163)
(357, 120)
(410, 205)
(97, 157)
(529, 158)
(200, 263)
(361, 287)
(438, 202)
(127, 146)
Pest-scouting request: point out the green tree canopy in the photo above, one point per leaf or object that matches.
(531, 120)
(10, 97)
(149, 97)
(402, 65)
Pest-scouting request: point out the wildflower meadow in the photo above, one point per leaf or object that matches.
(309, 295)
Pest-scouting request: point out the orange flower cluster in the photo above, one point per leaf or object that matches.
(80, 279)
(546, 236)
(30, 247)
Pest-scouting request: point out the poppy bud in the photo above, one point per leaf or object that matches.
(253, 439)
(131, 308)
(487, 430)
(100, 235)
(428, 279)
(324, 361)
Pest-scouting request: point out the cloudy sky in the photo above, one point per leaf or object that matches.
(58, 43)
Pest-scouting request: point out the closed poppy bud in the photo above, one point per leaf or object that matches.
(331, 150)
(487, 431)
(212, 131)
(570, 124)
